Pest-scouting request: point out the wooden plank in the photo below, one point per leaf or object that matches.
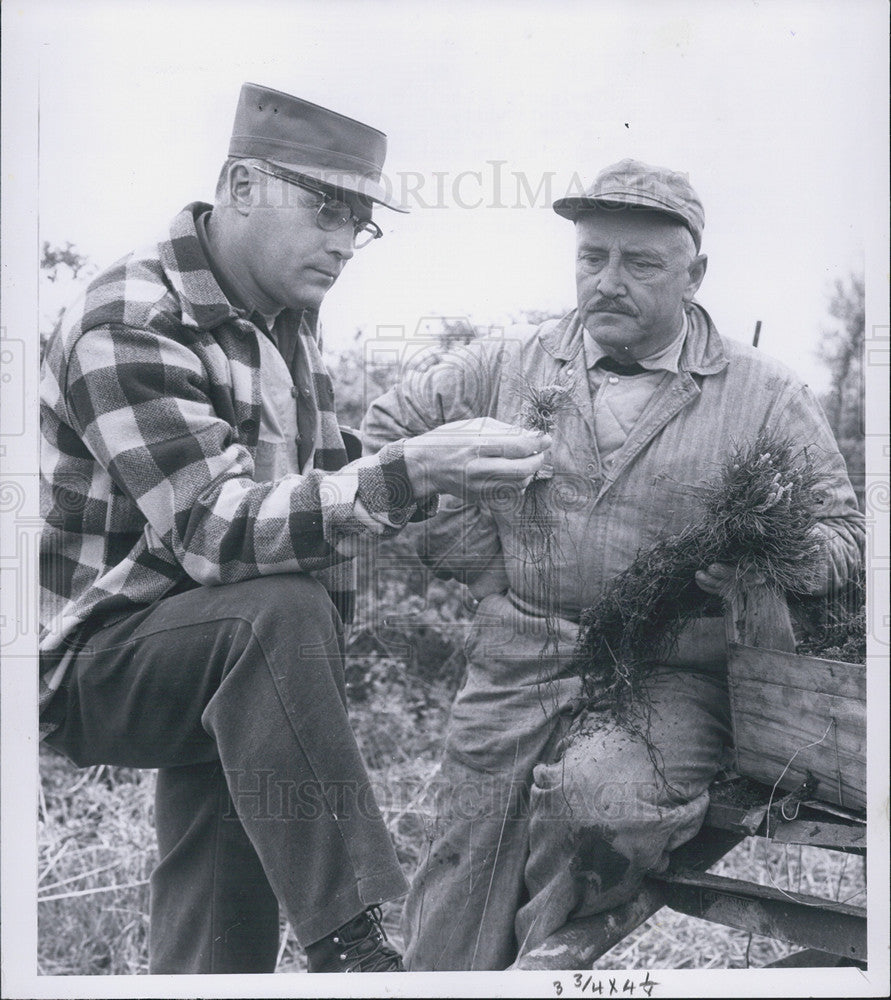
(759, 617)
(836, 722)
(781, 703)
(579, 943)
(787, 706)
(829, 744)
(754, 737)
(810, 958)
(828, 733)
(743, 819)
(808, 673)
(753, 890)
(769, 763)
(809, 921)
(851, 795)
(819, 833)
(848, 815)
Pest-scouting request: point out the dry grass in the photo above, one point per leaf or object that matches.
(95, 852)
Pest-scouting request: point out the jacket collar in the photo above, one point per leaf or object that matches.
(202, 302)
(702, 353)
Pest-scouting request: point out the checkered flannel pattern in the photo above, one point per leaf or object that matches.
(150, 414)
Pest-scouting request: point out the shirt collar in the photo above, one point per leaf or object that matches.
(217, 269)
(203, 304)
(702, 352)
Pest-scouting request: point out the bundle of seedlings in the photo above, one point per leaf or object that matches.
(758, 516)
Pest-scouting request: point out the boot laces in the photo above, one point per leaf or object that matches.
(371, 950)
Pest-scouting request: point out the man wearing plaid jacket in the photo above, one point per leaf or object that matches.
(199, 512)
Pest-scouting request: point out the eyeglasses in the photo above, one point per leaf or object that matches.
(333, 214)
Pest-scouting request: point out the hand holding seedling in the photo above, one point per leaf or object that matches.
(720, 578)
(468, 458)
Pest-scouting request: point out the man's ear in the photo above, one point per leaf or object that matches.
(239, 187)
(696, 272)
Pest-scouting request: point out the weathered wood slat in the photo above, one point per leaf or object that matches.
(765, 753)
(845, 836)
(769, 763)
(810, 958)
(742, 819)
(579, 943)
(844, 720)
(759, 617)
(805, 920)
(753, 890)
(804, 673)
(836, 730)
(781, 703)
(792, 731)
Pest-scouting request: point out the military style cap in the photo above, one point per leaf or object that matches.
(638, 185)
(308, 139)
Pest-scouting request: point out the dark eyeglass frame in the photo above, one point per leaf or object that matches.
(333, 214)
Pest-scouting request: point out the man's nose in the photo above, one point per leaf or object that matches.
(341, 242)
(609, 281)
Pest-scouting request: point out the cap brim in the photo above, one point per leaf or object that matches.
(569, 208)
(344, 181)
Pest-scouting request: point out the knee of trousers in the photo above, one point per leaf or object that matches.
(618, 825)
(287, 622)
(286, 603)
(575, 802)
(282, 634)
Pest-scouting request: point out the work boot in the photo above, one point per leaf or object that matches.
(359, 946)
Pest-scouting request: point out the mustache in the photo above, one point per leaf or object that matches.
(612, 306)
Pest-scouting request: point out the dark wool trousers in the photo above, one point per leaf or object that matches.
(236, 694)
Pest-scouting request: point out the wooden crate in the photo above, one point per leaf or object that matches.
(794, 715)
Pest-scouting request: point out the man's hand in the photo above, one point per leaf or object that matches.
(720, 578)
(467, 458)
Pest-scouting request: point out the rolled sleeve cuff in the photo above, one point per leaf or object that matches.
(375, 488)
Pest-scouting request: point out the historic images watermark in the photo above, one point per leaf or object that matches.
(492, 185)
(259, 795)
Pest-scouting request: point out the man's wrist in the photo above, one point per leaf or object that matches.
(396, 465)
(401, 463)
(415, 468)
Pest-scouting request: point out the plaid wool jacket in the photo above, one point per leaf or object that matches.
(150, 414)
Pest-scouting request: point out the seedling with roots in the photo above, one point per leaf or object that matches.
(759, 516)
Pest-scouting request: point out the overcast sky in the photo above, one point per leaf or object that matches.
(774, 109)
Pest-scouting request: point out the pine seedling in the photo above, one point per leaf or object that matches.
(759, 516)
(543, 404)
